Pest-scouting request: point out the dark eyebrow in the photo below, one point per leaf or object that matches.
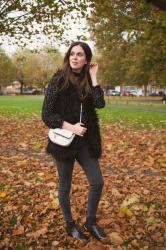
(81, 53)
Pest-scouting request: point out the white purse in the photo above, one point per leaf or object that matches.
(62, 137)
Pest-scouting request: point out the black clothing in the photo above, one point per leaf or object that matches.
(64, 105)
(95, 230)
(94, 176)
(74, 231)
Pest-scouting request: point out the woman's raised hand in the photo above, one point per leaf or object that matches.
(93, 69)
(93, 73)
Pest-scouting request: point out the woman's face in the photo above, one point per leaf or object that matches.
(77, 58)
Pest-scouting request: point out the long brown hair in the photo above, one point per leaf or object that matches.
(82, 81)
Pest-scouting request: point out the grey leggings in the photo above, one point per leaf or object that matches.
(92, 170)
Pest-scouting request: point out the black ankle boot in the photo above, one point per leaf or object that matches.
(74, 232)
(92, 227)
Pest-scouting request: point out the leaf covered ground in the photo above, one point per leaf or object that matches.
(133, 205)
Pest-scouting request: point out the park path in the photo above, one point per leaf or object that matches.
(156, 110)
(114, 170)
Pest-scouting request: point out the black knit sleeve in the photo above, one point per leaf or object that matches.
(50, 115)
(98, 97)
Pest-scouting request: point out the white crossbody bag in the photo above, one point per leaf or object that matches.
(62, 137)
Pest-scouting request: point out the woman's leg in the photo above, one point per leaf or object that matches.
(65, 170)
(93, 172)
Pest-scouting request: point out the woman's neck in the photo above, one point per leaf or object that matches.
(77, 71)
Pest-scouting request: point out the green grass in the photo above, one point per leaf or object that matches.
(20, 106)
(28, 106)
(136, 118)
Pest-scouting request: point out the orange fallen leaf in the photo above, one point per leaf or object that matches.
(19, 230)
(37, 233)
(115, 238)
(94, 246)
(23, 145)
(3, 194)
(54, 203)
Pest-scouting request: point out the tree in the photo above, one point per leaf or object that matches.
(113, 65)
(36, 68)
(23, 19)
(46, 62)
(159, 3)
(19, 59)
(137, 28)
(7, 69)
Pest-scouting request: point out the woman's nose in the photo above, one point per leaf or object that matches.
(75, 56)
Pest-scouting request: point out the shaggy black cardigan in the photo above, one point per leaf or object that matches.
(64, 105)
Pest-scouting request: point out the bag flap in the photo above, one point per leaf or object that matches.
(63, 132)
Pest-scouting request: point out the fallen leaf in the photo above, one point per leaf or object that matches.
(37, 233)
(19, 230)
(3, 195)
(23, 145)
(131, 199)
(94, 246)
(55, 243)
(115, 238)
(126, 211)
(151, 221)
(54, 203)
(115, 192)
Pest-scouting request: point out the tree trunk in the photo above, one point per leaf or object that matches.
(21, 88)
(145, 89)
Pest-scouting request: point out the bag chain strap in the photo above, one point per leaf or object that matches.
(81, 112)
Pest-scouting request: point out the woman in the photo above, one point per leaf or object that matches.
(76, 83)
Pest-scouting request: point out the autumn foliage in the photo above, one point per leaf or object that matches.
(132, 208)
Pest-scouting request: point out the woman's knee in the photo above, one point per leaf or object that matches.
(98, 185)
(64, 187)
(101, 184)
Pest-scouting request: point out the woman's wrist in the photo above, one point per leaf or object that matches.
(94, 81)
(69, 126)
(95, 85)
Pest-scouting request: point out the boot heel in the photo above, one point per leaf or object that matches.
(95, 231)
(74, 232)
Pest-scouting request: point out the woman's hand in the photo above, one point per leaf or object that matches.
(93, 73)
(78, 129)
(93, 69)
